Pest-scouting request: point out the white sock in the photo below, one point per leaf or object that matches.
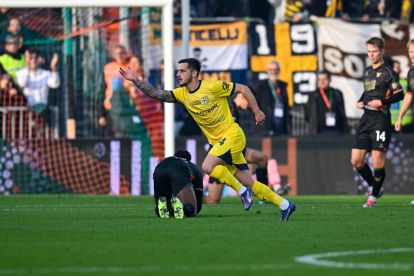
(242, 190)
(284, 205)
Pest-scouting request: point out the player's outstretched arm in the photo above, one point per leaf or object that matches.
(149, 90)
(248, 95)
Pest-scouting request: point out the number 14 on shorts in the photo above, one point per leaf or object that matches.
(380, 135)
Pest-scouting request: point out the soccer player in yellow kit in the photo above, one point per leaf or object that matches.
(206, 101)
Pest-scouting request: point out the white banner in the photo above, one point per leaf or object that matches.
(218, 58)
(342, 52)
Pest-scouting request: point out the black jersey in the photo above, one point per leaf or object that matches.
(379, 83)
(410, 80)
(174, 173)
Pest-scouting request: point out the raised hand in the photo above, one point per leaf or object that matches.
(53, 62)
(128, 74)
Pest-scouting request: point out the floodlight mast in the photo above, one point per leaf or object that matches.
(167, 42)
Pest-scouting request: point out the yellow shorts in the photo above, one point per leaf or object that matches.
(231, 148)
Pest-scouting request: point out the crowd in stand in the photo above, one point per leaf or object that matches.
(25, 80)
(302, 10)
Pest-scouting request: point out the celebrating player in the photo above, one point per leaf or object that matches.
(178, 186)
(374, 129)
(206, 101)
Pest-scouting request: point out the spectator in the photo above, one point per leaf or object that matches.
(35, 83)
(391, 8)
(407, 12)
(12, 60)
(325, 109)
(156, 77)
(204, 8)
(318, 8)
(8, 91)
(272, 98)
(13, 28)
(10, 96)
(334, 8)
(396, 68)
(111, 72)
(364, 10)
(295, 11)
(277, 13)
(135, 63)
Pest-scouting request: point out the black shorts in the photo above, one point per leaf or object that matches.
(374, 131)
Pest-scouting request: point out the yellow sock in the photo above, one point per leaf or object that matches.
(224, 176)
(263, 192)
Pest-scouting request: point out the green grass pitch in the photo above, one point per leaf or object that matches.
(104, 235)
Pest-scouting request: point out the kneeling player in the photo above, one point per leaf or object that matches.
(178, 187)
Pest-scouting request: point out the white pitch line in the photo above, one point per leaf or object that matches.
(68, 205)
(317, 259)
(147, 268)
(69, 209)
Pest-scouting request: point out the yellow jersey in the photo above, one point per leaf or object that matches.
(209, 107)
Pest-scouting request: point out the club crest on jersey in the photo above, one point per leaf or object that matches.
(378, 74)
(394, 85)
(204, 99)
(225, 85)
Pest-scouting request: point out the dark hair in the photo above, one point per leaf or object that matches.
(326, 73)
(183, 154)
(377, 41)
(35, 52)
(193, 63)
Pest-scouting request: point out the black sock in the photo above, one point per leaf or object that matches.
(366, 174)
(261, 175)
(379, 176)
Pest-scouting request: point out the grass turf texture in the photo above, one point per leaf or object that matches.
(103, 235)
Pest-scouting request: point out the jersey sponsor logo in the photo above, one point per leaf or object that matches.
(205, 99)
(196, 102)
(207, 111)
(226, 85)
(369, 85)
